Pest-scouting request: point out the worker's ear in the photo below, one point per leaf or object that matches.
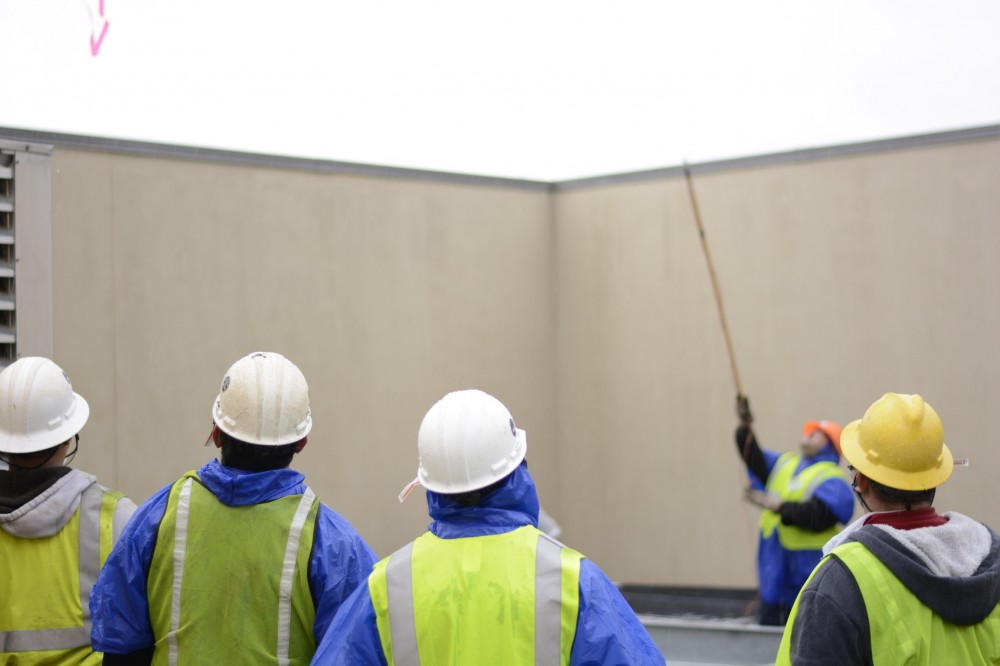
(301, 444)
(861, 483)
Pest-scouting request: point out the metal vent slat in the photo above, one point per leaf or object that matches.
(8, 274)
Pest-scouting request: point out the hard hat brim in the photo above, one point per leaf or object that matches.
(40, 441)
(219, 420)
(472, 484)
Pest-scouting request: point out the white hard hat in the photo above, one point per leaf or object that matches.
(264, 399)
(38, 408)
(467, 441)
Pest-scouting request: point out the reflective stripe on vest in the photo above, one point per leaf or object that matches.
(38, 640)
(288, 569)
(402, 624)
(288, 575)
(548, 592)
(548, 607)
(180, 551)
(791, 487)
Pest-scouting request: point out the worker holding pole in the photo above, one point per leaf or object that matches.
(805, 501)
(804, 495)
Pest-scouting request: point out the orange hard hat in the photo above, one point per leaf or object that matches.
(829, 428)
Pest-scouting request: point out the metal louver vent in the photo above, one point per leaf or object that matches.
(8, 314)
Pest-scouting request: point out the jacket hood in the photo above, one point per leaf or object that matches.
(954, 569)
(237, 487)
(50, 510)
(514, 504)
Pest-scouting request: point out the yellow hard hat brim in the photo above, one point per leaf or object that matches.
(850, 445)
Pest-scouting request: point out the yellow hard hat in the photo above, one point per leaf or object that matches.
(899, 443)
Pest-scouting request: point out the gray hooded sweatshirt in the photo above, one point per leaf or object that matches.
(47, 512)
(953, 569)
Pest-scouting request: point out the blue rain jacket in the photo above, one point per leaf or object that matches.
(783, 572)
(340, 559)
(608, 632)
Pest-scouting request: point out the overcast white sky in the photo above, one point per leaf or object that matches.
(539, 89)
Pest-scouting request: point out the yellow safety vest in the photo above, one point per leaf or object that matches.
(229, 585)
(903, 630)
(509, 599)
(792, 487)
(45, 609)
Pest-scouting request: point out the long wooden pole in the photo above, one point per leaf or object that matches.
(715, 281)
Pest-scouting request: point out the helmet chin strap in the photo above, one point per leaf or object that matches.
(72, 454)
(863, 502)
(854, 487)
(45, 461)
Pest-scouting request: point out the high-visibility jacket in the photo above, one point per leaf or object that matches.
(903, 630)
(797, 487)
(45, 607)
(607, 629)
(510, 598)
(229, 585)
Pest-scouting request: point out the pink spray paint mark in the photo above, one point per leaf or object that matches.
(95, 44)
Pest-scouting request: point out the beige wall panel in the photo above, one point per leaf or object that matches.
(640, 357)
(386, 293)
(84, 306)
(870, 274)
(589, 312)
(841, 279)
